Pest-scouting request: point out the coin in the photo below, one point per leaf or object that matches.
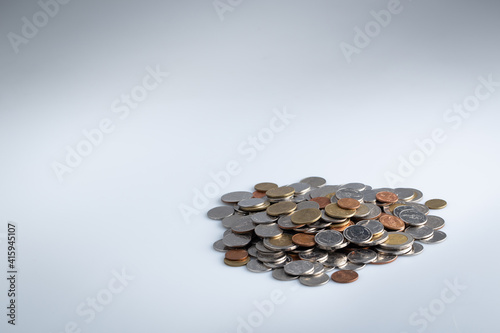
(413, 218)
(322, 201)
(435, 222)
(268, 230)
(314, 181)
(348, 203)
(329, 238)
(280, 192)
(279, 274)
(362, 256)
(263, 218)
(307, 204)
(236, 263)
(345, 276)
(236, 255)
(285, 222)
(405, 194)
(333, 210)
(437, 237)
(256, 266)
(235, 197)
(300, 188)
(352, 267)
(220, 247)
(280, 208)
(436, 203)
(387, 197)
(264, 187)
(349, 193)
(231, 221)
(384, 259)
(391, 222)
(420, 232)
(354, 186)
(251, 203)
(303, 240)
(375, 211)
(341, 226)
(299, 267)
(362, 212)
(335, 259)
(416, 249)
(315, 280)
(357, 234)
(243, 227)
(220, 212)
(234, 240)
(375, 226)
(306, 216)
(397, 240)
(258, 194)
(314, 255)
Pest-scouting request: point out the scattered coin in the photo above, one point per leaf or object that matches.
(237, 263)
(348, 203)
(281, 208)
(264, 187)
(437, 237)
(306, 216)
(218, 213)
(435, 222)
(387, 197)
(436, 203)
(362, 256)
(345, 276)
(315, 280)
(236, 255)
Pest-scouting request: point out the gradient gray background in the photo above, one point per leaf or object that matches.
(120, 207)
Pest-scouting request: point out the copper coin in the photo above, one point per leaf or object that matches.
(294, 256)
(392, 222)
(303, 240)
(258, 194)
(387, 197)
(322, 201)
(384, 261)
(342, 227)
(346, 276)
(236, 255)
(348, 203)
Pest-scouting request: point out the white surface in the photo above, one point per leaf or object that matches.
(121, 207)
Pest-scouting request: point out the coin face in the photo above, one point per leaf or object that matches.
(405, 194)
(333, 210)
(420, 232)
(235, 197)
(436, 203)
(280, 208)
(435, 222)
(299, 267)
(251, 202)
(413, 218)
(437, 237)
(306, 216)
(236, 255)
(397, 240)
(300, 188)
(335, 259)
(263, 187)
(235, 240)
(345, 276)
(375, 226)
(314, 181)
(280, 192)
(243, 227)
(307, 204)
(268, 230)
(220, 247)
(349, 193)
(387, 197)
(321, 201)
(231, 221)
(218, 213)
(362, 256)
(357, 234)
(304, 240)
(263, 218)
(391, 222)
(315, 280)
(279, 274)
(329, 238)
(348, 203)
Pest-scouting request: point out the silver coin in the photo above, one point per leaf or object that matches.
(376, 241)
(262, 248)
(251, 203)
(375, 211)
(333, 199)
(220, 247)
(362, 256)
(280, 264)
(314, 181)
(420, 232)
(335, 259)
(435, 222)
(315, 280)
(360, 212)
(318, 269)
(416, 249)
(408, 243)
(384, 258)
(323, 191)
(354, 186)
(299, 198)
(369, 196)
(418, 195)
(237, 196)
(280, 274)
(307, 204)
(438, 237)
(352, 266)
(299, 267)
(349, 193)
(341, 246)
(405, 194)
(256, 266)
(394, 252)
(220, 212)
(375, 226)
(327, 218)
(268, 230)
(300, 188)
(329, 238)
(267, 244)
(357, 234)
(285, 222)
(319, 224)
(399, 209)
(314, 255)
(243, 227)
(263, 218)
(252, 251)
(421, 208)
(271, 257)
(231, 221)
(235, 240)
(413, 218)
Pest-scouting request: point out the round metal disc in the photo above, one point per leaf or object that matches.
(279, 274)
(220, 212)
(315, 280)
(438, 237)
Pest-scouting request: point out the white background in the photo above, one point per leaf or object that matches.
(120, 208)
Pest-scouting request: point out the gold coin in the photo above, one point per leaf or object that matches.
(280, 192)
(341, 226)
(280, 208)
(256, 208)
(436, 204)
(281, 240)
(236, 263)
(306, 216)
(363, 210)
(393, 206)
(263, 187)
(333, 210)
(396, 239)
(330, 195)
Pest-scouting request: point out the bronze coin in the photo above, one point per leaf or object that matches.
(392, 222)
(387, 197)
(258, 194)
(384, 262)
(236, 255)
(303, 240)
(322, 201)
(294, 256)
(346, 276)
(342, 227)
(348, 203)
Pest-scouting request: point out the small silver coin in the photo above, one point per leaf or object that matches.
(251, 203)
(416, 249)
(315, 280)
(323, 191)
(252, 251)
(263, 218)
(357, 234)
(235, 240)
(369, 196)
(220, 247)
(318, 269)
(237, 196)
(307, 204)
(375, 226)
(413, 218)
(349, 193)
(256, 266)
(299, 267)
(384, 258)
(418, 195)
(262, 248)
(362, 256)
(420, 232)
(394, 252)
(375, 211)
(382, 238)
(399, 209)
(314, 255)
(354, 186)
(243, 227)
(421, 208)
(314, 181)
(285, 222)
(280, 264)
(231, 221)
(268, 230)
(329, 238)
(220, 212)
(300, 188)
(335, 259)
(329, 219)
(279, 274)
(405, 194)
(352, 266)
(299, 198)
(435, 222)
(438, 237)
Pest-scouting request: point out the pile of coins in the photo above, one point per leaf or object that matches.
(303, 230)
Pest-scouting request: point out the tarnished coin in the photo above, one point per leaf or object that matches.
(234, 240)
(350, 266)
(264, 187)
(236, 255)
(436, 203)
(315, 280)
(345, 276)
(437, 237)
(435, 222)
(329, 238)
(314, 181)
(235, 197)
(236, 263)
(357, 234)
(413, 218)
(335, 259)
(256, 266)
(280, 192)
(391, 222)
(263, 218)
(306, 216)
(387, 197)
(220, 212)
(420, 232)
(321, 201)
(280, 208)
(279, 274)
(375, 226)
(268, 230)
(362, 256)
(384, 259)
(416, 249)
(349, 193)
(299, 267)
(333, 210)
(348, 203)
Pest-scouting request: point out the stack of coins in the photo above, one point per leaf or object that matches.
(305, 229)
